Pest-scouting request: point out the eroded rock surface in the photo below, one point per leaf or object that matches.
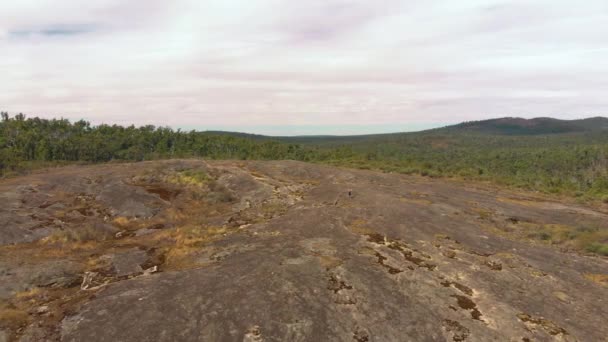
(189, 250)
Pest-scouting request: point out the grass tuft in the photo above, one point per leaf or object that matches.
(598, 248)
(83, 234)
(190, 177)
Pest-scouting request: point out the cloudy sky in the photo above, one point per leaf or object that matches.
(303, 67)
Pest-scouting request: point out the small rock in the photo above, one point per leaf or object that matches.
(562, 296)
(150, 270)
(494, 265)
(360, 335)
(144, 231)
(42, 309)
(449, 254)
(87, 280)
(128, 263)
(253, 334)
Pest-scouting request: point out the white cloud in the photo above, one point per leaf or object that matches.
(270, 62)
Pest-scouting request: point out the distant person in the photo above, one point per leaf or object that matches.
(350, 193)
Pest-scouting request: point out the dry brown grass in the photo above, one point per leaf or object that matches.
(188, 241)
(576, 238)
(360, 226)
(522, 202)
(80, 234)
(328, 261)
(601, 279)
(272, 209)
(19, 311)
(190, 177)
(483, 214)
(256, 174)
(11, 318)
(419, 201)
(121, 221)
(29, 294)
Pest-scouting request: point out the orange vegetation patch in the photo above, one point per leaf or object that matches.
(601, 279)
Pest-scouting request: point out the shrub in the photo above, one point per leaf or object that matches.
(598, 248)
(218, 193)
(190, 177)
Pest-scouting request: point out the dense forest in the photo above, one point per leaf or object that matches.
(24, 141)
(573, 163)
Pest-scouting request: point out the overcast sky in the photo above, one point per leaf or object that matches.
(303, 67)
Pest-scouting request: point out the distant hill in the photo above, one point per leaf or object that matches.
(300, 139)
(238, 135)
(536, 126)
(500, 126)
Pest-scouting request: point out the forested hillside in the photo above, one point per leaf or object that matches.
(536, 126)
(573, 163)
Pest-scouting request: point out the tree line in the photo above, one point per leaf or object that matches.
(26, 140)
